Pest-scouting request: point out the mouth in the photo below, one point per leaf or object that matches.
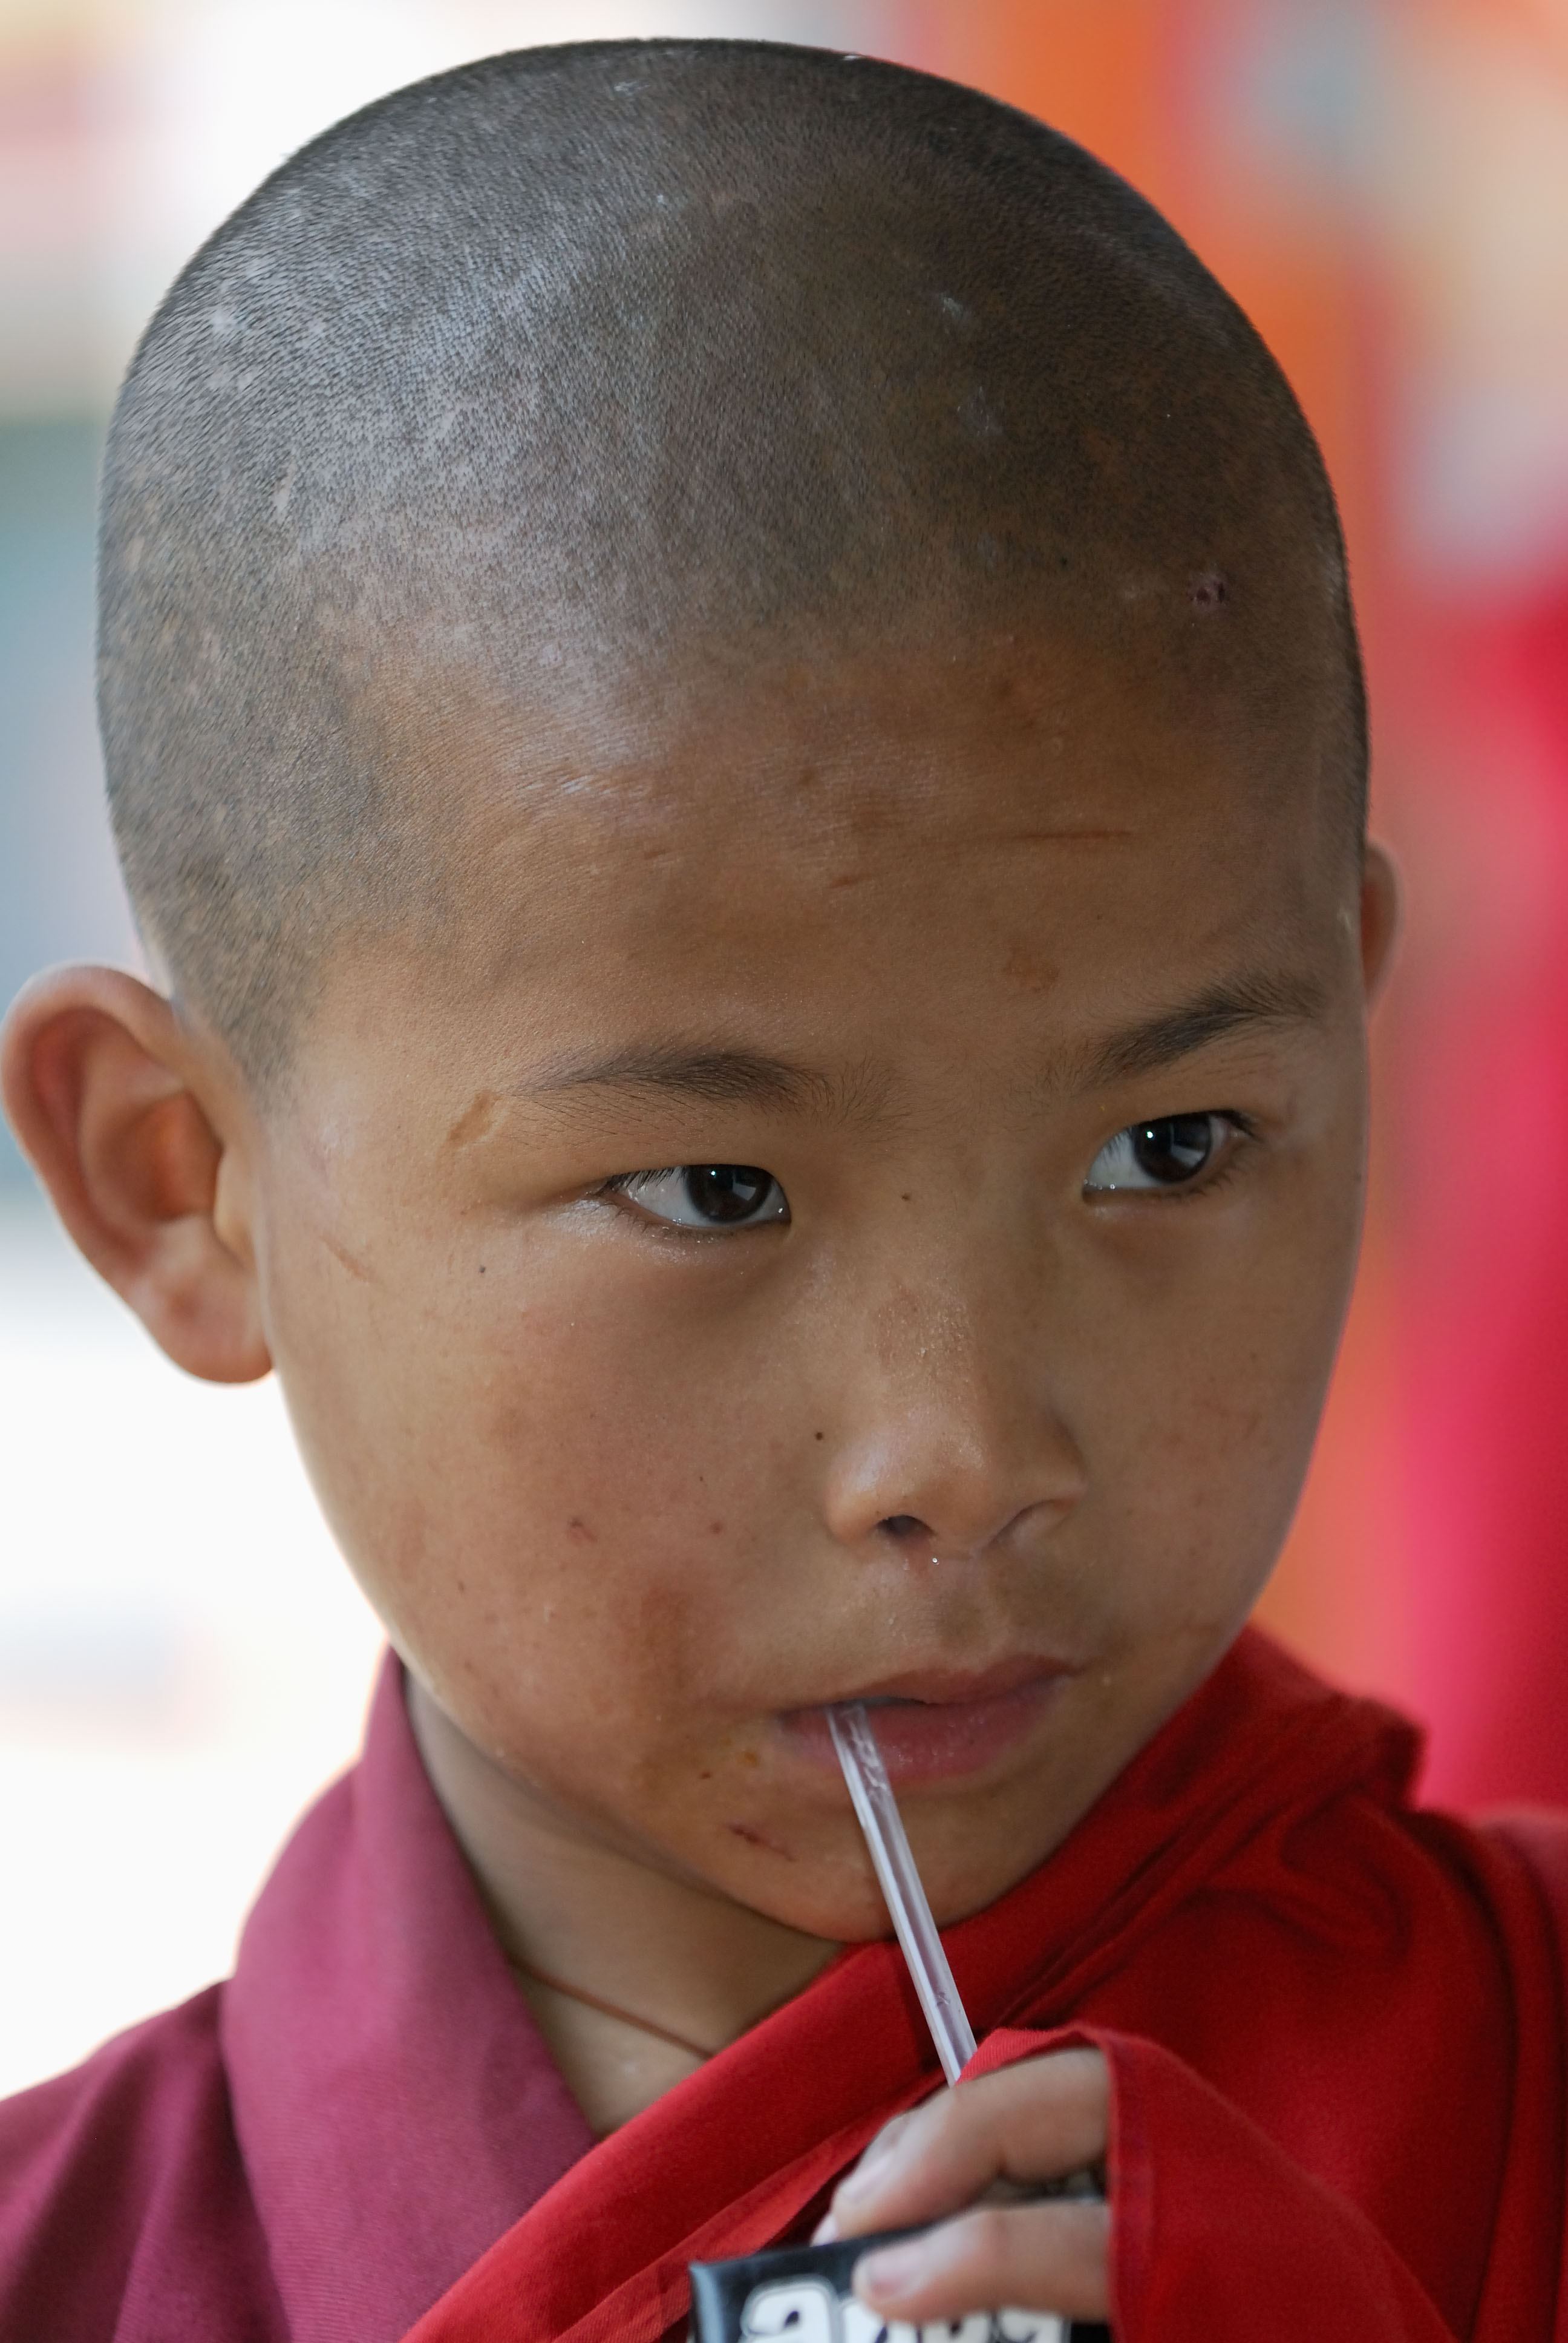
(938, 1725)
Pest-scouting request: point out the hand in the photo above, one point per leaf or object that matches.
(983, 2145)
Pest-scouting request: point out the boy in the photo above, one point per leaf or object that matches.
(732, 713)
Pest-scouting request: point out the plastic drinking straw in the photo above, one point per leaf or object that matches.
(876, 1811)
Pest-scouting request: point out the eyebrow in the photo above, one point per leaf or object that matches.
(747, 1078)
(716, 1077)
(1158, 1042)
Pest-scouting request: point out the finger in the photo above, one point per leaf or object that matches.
(1045, 2257)
(882, 2145)
(1031, 2122)
(826, 2230)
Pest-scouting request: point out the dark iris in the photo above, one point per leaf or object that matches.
(1174, 1148)
(727, 1192)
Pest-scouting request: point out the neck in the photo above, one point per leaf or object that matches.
(653, 1945)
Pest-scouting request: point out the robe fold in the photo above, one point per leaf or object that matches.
(1334, 2025)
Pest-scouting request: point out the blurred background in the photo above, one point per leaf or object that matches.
(1383, 184)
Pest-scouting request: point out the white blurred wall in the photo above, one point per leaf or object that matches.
(183, 1659)
(128, 128)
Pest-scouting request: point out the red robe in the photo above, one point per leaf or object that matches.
(1335, 2027)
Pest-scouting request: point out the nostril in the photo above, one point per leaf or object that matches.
(904, 1525)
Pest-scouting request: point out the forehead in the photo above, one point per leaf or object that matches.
(945, 802)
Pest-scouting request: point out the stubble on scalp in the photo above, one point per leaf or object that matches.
(580, 376)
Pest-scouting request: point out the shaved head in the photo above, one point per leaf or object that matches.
(579, 368)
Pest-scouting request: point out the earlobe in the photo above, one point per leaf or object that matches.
(100, 1083)
(1380, 913)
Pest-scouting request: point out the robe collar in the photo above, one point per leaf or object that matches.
(398, 2112)
(396, 2107)
(742, 2152)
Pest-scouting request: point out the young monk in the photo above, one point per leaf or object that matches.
(733, 717)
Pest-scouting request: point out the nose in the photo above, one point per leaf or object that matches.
(951, 1444)
(925, 1483)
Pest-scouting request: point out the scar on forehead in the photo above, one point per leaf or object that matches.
(477, 1122)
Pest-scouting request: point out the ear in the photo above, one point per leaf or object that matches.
(1380, 917)
(101, 1085)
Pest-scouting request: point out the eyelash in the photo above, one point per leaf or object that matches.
(622, 1183)
(630, 1183)
(1246, 1132)
(1206, 1184)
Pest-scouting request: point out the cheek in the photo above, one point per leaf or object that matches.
(1204, 1381)
(553, 1504)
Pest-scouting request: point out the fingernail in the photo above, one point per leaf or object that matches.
(826, 2232)
(891, 2273)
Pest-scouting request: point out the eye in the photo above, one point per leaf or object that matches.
(704, 1195)
(1173, 1153)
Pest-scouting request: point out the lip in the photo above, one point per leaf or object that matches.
(937, 1725)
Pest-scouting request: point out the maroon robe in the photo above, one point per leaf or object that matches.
(314, 2151)
(1335, 2027)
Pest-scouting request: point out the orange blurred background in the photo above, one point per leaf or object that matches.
(1384, 189)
